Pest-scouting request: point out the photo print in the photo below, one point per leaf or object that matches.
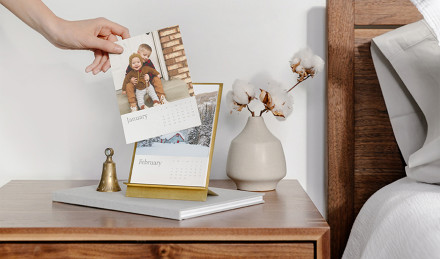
(182, 157)
(153, 86)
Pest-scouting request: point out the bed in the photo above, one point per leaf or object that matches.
(363, 155)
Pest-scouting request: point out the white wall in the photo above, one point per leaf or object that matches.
(56, 121)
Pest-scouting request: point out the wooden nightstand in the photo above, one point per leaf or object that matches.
(286, 225)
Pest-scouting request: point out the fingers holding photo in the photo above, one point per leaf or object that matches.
(97, 35)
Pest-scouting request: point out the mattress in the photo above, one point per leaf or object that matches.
(401, 220)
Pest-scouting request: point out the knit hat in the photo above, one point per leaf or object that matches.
(135, 55)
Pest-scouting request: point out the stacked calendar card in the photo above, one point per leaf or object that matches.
(172, 209)
(177, 165)
(153, 86)
(170, 117)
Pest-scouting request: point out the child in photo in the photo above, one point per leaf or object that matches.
(136, 83)
(145, 51)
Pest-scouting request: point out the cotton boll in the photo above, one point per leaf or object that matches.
(294, 61)
(229, 101)
(279, 118)
(263, 97)
(301, 55)
(273, 87)
(243, 92)
(307, 58)
(256, 106)
(240, 97)
(283, 104)
(233, 107)
(307, 62)
(318, 63)
(299, 69)
(269, 84)
(304, 54)
(243, 86)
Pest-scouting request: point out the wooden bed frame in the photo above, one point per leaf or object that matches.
(363, 155)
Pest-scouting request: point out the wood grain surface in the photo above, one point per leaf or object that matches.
(340, 121)
(362, 152)
(377, 157)
(287, 217)
(158, 250)
(388, 12)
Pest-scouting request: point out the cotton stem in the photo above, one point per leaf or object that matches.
(298, 83)
(252, 113)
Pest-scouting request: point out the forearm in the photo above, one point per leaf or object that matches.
(34, 13)
(97, 35)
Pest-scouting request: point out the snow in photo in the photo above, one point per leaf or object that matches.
(179, 158)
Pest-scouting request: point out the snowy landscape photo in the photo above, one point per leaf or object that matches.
(180, 158)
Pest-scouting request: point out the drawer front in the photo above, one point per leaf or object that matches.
(157, 250)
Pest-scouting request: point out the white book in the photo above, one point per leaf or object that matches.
(172, 209)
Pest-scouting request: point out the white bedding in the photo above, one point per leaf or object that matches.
(407, 62)
(430, 9)
(401, 220)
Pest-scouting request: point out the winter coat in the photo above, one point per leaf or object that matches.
(139, 74)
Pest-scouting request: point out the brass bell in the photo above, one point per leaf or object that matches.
(109, 181)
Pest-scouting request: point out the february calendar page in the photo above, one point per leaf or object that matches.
(153, 86)
(182, 157)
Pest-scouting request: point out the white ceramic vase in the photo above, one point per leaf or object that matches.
(256, 159)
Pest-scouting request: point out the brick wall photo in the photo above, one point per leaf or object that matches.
(174, 55)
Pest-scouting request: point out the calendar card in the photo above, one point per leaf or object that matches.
(182, 158)
(153, 86)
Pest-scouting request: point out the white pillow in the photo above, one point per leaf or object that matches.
(430, 9)
(407, 62)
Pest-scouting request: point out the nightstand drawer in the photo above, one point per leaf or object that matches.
(287, 225)
(169, 250)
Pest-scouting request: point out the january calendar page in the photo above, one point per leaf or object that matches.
(183, 157)
(153, 86)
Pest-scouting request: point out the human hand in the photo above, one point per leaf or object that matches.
(97, 35)
(147, 78)
(159, 76)
(124, 92)
(134, 80)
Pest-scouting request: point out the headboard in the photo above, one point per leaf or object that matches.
(363, 155)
